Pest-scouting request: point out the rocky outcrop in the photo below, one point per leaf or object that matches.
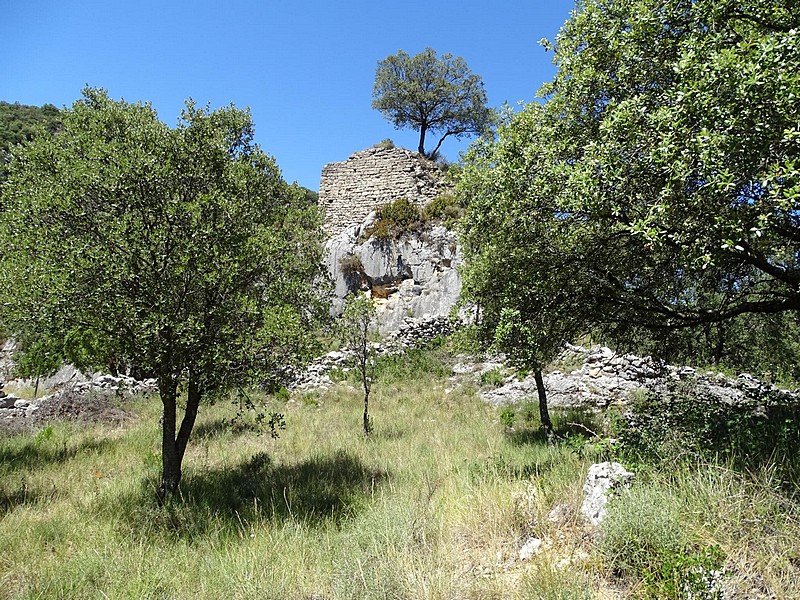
(350, 190)
(414, 276)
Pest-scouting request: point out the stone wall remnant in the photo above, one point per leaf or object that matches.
(350, 190)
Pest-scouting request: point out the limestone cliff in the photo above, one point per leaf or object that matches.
(414, 276)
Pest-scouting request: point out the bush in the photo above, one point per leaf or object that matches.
(644, 539)
(493, 378)
(395, 219)
(693, 424)
(416, 363)
(642, 528)
(444, 208)
(387, 143)
(507, 416)
(351, 264)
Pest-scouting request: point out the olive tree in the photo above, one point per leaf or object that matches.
(180, 251)
(431, 93)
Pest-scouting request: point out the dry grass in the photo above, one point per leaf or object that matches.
(436, 504)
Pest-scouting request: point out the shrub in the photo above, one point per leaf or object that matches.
(387, 143)
(493, 378)
(507, 416)
(641, 530)
(692, 422)
(351, 264)
(444, 208)
(395, 219)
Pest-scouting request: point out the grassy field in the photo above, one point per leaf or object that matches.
(436, 504)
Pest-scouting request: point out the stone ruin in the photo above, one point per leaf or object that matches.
(413, 276)
(352, 189)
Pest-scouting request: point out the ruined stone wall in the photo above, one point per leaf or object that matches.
(350, 190)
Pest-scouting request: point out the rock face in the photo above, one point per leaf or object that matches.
(414, 276)
(601, 480)
(350, 190)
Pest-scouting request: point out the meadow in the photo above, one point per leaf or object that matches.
(435, 504)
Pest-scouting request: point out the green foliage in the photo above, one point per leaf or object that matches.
(641, 530)
(422, 362)
(395, 219)
(386, 144)
(693, 425)
(697, 575)
(179, 251)
(507, 416)
(644, 538)
(356, 325)
(351, 264)
(464, 340)
(20, 123)
(493, 378)
(445, 208)
(661, 173)
(431, 93)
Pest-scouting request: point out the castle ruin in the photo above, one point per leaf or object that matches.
(352, 189)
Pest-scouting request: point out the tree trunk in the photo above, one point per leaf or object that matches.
(173, 444)
(366, 412)
(544, 414)
(170, 463)
(421, 148)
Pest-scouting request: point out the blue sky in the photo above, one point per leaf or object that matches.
(305, 69)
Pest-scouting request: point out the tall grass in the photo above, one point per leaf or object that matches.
(436, 504)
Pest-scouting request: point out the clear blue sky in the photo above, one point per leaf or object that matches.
(305, 69)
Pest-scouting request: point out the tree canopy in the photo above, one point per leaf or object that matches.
(431, 93)
(180, 251)
(664, 162)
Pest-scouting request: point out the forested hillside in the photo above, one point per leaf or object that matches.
(20, 123)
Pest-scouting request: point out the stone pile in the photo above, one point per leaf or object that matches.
(602, 378)
(412, 333)
(14, 407)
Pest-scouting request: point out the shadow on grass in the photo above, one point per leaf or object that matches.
(18, 491)
(567, 423)
(212, 429)
(509, 467)
(35, 454)
(320, 490)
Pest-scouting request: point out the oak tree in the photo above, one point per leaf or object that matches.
(664, 160)
(180, 251)
(431, 94)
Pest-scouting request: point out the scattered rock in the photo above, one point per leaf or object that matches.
(529, 548)
(411, 333)
(601, 480)
(604, 378)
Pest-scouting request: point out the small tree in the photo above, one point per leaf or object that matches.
(179, 251)
(521, 267)
(357, 321)
(430, 93)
